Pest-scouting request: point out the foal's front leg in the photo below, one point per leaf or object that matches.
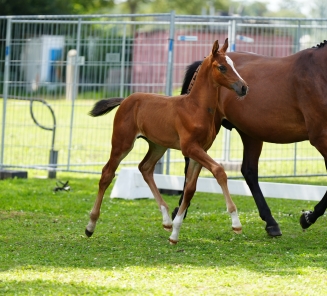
(199, 155)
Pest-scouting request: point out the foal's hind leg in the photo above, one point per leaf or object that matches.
(146, 167)
(118, 152)
(191, 177)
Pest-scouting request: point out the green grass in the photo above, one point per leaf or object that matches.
(43, 250)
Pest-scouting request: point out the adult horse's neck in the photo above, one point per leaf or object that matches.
(204, 91)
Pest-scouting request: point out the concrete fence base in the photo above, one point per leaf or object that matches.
(130, 185)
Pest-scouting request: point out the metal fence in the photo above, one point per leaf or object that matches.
(53, 69)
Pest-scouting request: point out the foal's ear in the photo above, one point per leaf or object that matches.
(225, 46)
(215, 48)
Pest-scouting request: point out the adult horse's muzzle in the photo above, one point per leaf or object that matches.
(240, 87)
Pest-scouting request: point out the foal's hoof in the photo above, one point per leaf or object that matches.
(168, 227)
(88, 233)
(172, 241)
(304, 220)
(237, 230)
(273, 230)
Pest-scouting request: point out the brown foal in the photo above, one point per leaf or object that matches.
(185, 122)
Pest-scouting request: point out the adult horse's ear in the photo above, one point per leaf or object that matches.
(215, 47)
(225, 46)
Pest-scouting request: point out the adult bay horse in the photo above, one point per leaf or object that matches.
(293, 110)
(181, 122)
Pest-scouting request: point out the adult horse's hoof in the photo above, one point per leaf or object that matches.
(168, 227)
(88, 233)
(273, 230)
(304, 220)
(237, 230)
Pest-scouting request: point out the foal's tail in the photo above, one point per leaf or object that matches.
(105, 106)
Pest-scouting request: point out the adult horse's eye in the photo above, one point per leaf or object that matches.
(222, 69)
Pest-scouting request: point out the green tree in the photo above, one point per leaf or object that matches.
(194, 7)
(256, 8)
(133, 6)
(46, 7)
(288, 8)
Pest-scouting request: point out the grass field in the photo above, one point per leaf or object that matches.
(43, 250)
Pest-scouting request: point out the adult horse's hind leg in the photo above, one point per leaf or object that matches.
(251, 154)
(146, 167)
(309, 217)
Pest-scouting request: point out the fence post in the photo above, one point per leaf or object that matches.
(232, 35)
(74, 90)
(169, 80)
(122, 65)
(5, 91)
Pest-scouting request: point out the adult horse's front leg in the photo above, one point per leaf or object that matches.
(175, 211)
(251, 154)
(146, 167)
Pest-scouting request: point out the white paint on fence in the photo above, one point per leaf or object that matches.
(130, 185)
(187, 38)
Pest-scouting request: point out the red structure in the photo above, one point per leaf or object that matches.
(150, 54)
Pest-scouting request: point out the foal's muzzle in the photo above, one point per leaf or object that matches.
(240, 88)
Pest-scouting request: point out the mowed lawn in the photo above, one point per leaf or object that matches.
(43, 249)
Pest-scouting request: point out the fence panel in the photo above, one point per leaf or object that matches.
(58, 66)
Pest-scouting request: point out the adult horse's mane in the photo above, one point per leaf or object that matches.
(322, 44)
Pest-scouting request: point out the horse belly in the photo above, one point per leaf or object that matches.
(160, 131)
(275, 133)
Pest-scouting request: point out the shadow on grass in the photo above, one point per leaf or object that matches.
(33, 287)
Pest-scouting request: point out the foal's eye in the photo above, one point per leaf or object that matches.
(222, 69)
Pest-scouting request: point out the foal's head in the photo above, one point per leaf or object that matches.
(224, 72)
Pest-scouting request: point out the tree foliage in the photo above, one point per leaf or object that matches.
(54, 7)
(194, 7)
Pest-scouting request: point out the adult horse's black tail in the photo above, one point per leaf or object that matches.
(105, 106)
(189, 73)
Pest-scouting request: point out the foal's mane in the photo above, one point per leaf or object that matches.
(322, 44)
(190, 75)
(193, 79)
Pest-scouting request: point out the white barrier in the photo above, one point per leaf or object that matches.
(130, 185)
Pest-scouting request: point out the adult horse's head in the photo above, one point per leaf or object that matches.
(224, 72)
